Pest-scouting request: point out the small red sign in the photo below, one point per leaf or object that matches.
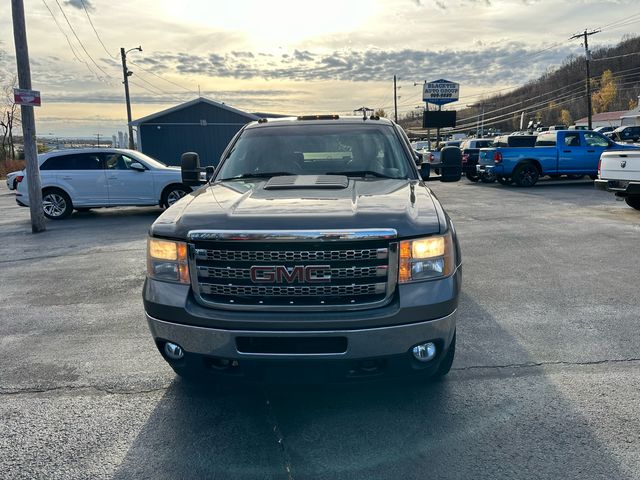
(29, 98)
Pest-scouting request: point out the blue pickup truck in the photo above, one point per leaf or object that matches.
(562, 152)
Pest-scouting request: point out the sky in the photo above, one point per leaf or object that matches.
(290, 56)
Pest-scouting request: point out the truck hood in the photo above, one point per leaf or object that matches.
(406, 205)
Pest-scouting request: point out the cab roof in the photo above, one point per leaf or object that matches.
(319, 119)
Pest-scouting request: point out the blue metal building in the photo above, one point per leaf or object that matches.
(201, 125)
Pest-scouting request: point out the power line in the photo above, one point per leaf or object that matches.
(615, 56)
(96, 32)
(616, 23)
(75, 54)
(160, 77)
(80, 42)
(159, 90)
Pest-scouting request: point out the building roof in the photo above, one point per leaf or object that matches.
(604, 117)
(195, 101)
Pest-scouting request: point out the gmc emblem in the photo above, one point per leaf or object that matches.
(297, 274)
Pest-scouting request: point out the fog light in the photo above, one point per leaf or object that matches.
(173, 351)
(424, 352)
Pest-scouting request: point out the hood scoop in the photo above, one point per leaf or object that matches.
(287, 182)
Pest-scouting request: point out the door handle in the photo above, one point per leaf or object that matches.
(566, 151)
(591, 151)
(67, 178)
(113, 177)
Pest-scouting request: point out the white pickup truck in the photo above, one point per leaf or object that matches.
(619, 172)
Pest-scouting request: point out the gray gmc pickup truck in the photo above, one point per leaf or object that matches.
(314, 246)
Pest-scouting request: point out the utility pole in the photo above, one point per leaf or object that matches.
(395, 99)
(28, 119)
(98, 135)
(587, 53)
(126, 73)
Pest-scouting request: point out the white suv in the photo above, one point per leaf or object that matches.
(81, 179)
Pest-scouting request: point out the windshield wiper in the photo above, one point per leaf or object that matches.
(360, 173)
(257, 175)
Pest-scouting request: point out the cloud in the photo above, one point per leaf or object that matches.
(502, 61)
(255, 97)
(79, 4)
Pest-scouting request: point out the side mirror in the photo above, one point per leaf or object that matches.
(419, 158)
(451, 169)
(209, 172)
(190, 167)
(138, 167)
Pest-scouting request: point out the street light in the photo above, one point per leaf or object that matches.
(126, 73)
(480, 124)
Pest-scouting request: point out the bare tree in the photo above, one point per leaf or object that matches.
(9, 119)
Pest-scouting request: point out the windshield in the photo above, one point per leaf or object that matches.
(421, 145)
(357, 150)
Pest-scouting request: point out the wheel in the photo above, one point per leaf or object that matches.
(172, 194)
(488, 177)
(447, 361)
(437, 170)
(425, 172)
(472, 177)
(504, 180)
(83, 209)
(633, 202)
(56, 204)
(526, 175)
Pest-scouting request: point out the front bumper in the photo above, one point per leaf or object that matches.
(490, 169)
(622, 188)
(360, 344)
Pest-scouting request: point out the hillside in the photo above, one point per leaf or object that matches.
(559, 96)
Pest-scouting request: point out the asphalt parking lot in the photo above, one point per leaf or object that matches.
(546, 382)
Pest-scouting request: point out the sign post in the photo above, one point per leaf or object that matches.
(440, 92)
(28, 98)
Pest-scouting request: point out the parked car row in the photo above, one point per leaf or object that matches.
(82, 179)
(563, 152)
(629, 133)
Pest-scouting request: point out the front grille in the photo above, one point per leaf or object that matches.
(289, 274)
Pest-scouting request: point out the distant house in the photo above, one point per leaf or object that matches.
(201, 125)
(606, 119)
(613, 119)
(632, 117)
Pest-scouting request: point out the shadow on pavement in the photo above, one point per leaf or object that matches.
(469, 426)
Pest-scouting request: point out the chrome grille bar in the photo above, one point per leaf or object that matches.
(245, 273)
(293, 291)
(290, 255)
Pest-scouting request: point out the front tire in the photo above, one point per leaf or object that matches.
(487, 177)
(172, 194)
(472, 177)
(526, 175)
(56, 204)
(633, 202)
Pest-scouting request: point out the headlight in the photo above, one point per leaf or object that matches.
(426, 258)
(167, 261)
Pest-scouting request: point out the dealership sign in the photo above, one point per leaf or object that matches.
(440, 92)
(30, 98)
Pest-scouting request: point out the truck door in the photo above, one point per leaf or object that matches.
(570, 152)
(596, 144)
